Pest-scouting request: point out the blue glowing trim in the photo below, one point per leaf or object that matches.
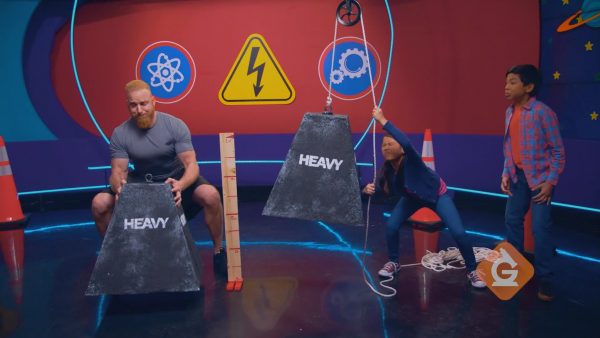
(364, 268)
(100, 310)
(259, 161)
(564, 205)
(572, 206)
(308, 245)
(387, 74)
(35, 192)
(104, 167)
(389, 65)
(85, 103)
(479, 192)
(500, 238)
(364, 133)
(570, 254)
(246, 162)
(483, 234)
(52, 228)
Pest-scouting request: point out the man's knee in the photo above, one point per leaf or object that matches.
(207, 196)
(102, 203)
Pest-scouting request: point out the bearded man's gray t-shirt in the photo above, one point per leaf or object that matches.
(152, 151)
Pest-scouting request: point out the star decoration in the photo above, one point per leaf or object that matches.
(556, 75)
(594, 116)
(588, 46)
(565, 2)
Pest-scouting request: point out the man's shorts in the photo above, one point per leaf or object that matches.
(190, 208)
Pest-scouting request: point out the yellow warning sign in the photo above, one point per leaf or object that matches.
(256, 77)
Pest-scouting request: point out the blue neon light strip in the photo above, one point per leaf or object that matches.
(74, 64)
(49, 191)
(572, 206)
(97, 187)
(574, 255)
(360, 164)
(364, 269)
(364, 134)
(52, 228)
(307, 245)
(387, 74)
(100, 310)
(104, 167)
(478, 192)
(483, 234)
(500, 238)
(558, 204)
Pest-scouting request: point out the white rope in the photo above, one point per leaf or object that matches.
(450, 258)
(368, 59)
(328, 103)
(436, 261)
(329, 100)
(367, 225)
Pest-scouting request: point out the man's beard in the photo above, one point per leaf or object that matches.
(145, 121)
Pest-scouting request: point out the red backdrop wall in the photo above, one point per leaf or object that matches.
(447, 71)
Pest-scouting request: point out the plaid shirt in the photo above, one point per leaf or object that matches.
(542, 151)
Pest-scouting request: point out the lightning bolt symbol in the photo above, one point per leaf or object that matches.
(259, 69)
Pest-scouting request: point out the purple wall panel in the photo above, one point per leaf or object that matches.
(465, 161)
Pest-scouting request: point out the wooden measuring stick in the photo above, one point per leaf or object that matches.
(230, 206)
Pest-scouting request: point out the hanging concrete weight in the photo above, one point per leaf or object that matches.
(318, 180)
(147, 247)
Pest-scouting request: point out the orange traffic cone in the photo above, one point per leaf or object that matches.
(427, 154)
(10, 210)
(11, 244)
(11, 214)
(426, 218)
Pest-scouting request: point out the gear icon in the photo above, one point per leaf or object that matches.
(336, 76)
(353, 73)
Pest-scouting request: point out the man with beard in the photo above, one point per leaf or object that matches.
(160, 147)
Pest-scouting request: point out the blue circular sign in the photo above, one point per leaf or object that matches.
(169, 69)
(349, 78)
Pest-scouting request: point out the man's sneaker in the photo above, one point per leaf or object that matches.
(389, 269)
(545, 292)
(475, 280)
(220, 263)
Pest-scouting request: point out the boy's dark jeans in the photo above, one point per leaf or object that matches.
(517, 206)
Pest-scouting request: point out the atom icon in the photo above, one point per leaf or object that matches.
(165, 72)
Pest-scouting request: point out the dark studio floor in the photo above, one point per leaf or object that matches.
(301, 279)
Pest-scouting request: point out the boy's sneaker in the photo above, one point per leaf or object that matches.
(220, 263)
(389, 269)
(545, 292)
(475, 280)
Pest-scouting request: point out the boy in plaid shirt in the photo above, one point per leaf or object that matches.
(534, 157)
